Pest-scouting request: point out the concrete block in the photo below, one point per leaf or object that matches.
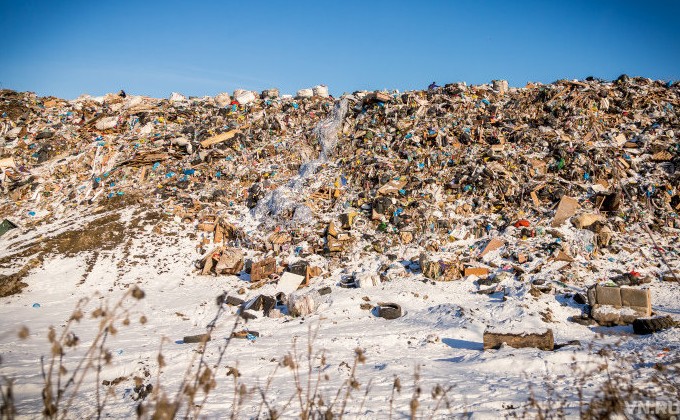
(609, 315)
(606, 315)
(637, 298)
(608, 296)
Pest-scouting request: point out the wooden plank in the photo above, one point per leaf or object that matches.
(534, 198)
(543, 341)
(222, 136)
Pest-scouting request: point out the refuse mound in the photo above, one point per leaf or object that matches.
(520, 189)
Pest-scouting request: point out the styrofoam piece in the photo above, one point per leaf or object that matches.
(320, 90)
(305, 93)
(289, 283)
(244, 97)
(222, 100)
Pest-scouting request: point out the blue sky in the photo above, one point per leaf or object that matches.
(66, 48)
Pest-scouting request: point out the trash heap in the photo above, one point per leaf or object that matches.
(521, 190)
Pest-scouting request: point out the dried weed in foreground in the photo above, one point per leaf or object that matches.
(317, 391)
(623, 385)
(62, 383)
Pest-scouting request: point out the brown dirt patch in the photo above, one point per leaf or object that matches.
(105, 233)
(12, 283)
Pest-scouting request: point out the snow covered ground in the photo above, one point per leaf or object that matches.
(440, 334)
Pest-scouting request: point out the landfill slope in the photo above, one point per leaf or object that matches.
(474, 210)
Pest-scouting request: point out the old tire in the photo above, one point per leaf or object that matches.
(652, 325)
(389, 310)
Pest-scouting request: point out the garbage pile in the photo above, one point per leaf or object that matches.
(522, 190)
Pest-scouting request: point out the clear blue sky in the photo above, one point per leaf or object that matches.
(66, 48)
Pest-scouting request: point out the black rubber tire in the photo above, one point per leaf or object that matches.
(389, 310)
(652, 325)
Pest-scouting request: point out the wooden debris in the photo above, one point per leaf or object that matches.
(262, 269)
(476, 271)
(200, 338)
(222, 137)
(542, 341)
(147, 158)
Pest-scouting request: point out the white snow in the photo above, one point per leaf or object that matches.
(440, 333)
